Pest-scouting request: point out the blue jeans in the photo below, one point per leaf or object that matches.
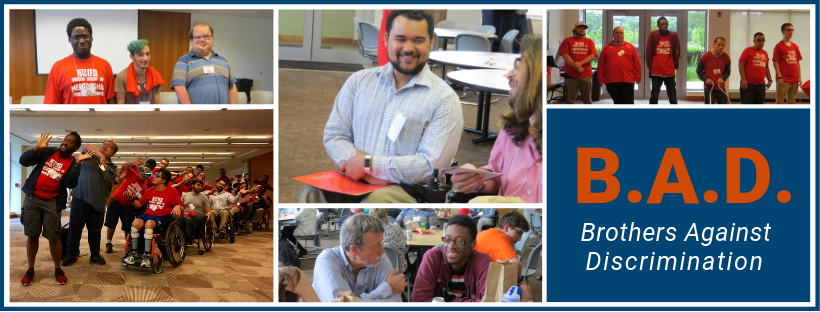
(189, 223)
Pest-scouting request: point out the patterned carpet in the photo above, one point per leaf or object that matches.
(239, 272)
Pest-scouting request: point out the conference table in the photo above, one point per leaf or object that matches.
(421, 241)
(487, 82)
(445, 34)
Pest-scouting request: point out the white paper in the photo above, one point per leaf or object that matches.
(620, 53)
(716, 71)
(395, 127)
(487, 174)
(209, 69)
(191, 206)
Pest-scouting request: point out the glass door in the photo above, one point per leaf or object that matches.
(637, 25)
(321, 35)
(631, 22)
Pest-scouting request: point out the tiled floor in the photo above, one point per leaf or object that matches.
(239, 272)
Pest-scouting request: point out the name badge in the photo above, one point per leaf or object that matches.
(395, 127)
(620, 53)
(87, 90)
(209, 69)
(102, 167)
(417, 219)
(716, 71)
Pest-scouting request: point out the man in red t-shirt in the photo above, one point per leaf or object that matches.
(662, 59)
(223, 177)
(619, 68)
(578, 53)
(134, 180)
(185, 185)
(46, 196)
(713, 68)
(80, 78)
(753, 67)
(786, 57)
(159, 201)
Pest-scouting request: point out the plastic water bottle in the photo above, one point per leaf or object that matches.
(409, 234)
(514, 295)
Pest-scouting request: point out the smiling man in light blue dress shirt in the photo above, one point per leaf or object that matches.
(395, 122)
(358, 266)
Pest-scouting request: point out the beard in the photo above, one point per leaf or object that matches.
(375, 263)
(412, 72)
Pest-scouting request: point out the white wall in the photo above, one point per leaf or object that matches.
(247, 43)
(556, 30)
(17, 176)
(470, 18)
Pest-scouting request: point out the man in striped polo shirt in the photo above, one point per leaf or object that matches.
(203, 76)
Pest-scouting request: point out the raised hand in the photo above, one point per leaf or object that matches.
(42, 142)
(84, 155)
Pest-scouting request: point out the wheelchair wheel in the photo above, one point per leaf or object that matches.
(175, 248)
(230, 229)
(249, 227)
(265, 220)
(157, 268)
(208, 240)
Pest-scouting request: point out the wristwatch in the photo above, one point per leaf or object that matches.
(367, 162)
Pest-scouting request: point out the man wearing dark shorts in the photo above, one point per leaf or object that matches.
(97, 173)
(133, 176)
(46, 195)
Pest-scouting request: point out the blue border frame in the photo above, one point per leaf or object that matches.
(466, 307)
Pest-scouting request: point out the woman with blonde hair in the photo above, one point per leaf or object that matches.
(294, 286)
(517, 152)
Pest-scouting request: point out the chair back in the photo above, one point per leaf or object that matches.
(487, 29)
(32, 99)
(261, 97)
(442, 222)
(369, 35)
(532, 261)
(392, 255)
(520, 245)
(507, 41)
(168, 98)
(470, 41)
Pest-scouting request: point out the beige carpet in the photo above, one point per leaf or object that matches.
(305, 102)
(238, 272)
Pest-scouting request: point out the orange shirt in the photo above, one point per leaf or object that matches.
(496, 244)
(78, 81)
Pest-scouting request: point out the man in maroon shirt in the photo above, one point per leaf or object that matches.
(786, 57)
(46, 196)
(578, 53)
(223, 177)
(662, 59)
(713, 68)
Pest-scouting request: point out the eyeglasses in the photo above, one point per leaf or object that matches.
(520, 233)
(459, 241)
(204, 37)
(147, 172)
(518, 62)
(377, 248)
(789, 29)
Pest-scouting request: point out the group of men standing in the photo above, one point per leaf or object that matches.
(201, 76)
(619, 67)
(143, 185)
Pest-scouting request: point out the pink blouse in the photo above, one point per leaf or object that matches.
(520, 167)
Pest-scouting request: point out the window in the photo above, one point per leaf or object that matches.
(594, 20)
(695, 47)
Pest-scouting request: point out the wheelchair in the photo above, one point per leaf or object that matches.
(168, 244)
(230, 226)
(204, 238)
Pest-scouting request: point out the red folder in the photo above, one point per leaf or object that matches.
(336, 182)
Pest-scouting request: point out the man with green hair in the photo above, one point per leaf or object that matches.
(139, 83)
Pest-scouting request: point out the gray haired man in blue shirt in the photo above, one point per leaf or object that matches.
(358, 266)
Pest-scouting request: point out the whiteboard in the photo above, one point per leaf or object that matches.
(112, 31)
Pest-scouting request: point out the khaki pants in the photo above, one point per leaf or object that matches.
(393, 194)
(786, 93)
(574, 85)
(223, 217)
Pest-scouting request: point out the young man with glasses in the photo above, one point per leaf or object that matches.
(754, 66)
(133, 174)
(499, 241)
(97, 174)
(786, 57)
(358, 266)
(456, 271)
(80, 78)
(203, 76)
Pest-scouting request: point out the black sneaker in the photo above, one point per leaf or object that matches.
(97, 259)
(69, 259)
(109, 248)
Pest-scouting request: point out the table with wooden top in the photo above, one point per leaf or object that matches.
(419, 241)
